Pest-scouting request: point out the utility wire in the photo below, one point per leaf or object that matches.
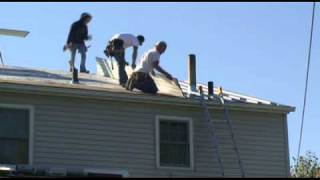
(306, 83)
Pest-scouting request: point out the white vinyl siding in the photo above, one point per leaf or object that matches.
(85, 133)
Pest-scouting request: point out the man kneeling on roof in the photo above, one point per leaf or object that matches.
(141, 78)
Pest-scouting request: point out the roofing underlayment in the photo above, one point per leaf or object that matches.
(106, 80)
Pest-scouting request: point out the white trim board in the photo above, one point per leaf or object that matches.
(100, 94)
(124, 173)
(191, 146)
(30, 108)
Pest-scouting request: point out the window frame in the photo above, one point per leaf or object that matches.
(191, 145)
(29, 108)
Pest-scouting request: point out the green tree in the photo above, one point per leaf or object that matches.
(307, 166)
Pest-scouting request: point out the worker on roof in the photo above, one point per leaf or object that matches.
(76, 40)
(116, 48)
(141, 78)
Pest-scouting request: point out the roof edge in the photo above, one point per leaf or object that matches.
(100, 94)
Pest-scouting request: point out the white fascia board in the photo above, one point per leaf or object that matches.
(102, 94)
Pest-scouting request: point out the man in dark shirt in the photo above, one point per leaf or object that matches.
(77, 35)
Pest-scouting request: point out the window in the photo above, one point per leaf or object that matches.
(14, 135)
(174, 142)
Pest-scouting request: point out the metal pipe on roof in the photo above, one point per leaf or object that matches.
(210, 89)
(192, 73)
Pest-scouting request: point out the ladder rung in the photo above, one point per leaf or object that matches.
(215, 134)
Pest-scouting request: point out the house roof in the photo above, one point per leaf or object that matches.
(33, 77)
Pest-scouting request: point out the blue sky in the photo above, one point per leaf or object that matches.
(258, 49)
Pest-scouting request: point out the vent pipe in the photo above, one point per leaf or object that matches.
(210, 89)
(192, 74)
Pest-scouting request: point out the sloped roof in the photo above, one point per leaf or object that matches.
(104, 67)
(96, 82)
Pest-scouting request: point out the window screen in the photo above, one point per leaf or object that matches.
(174, 144)
(14, 136)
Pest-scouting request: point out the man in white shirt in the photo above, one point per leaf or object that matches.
(116, 47)
(141, 78)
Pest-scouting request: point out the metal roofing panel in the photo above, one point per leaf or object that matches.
(11, 32)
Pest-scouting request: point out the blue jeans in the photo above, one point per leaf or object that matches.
(82, 49)
(143, 82)
(123, 77)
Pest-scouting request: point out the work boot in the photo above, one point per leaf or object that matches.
(71, 69)
(75, 69)
(84, 70)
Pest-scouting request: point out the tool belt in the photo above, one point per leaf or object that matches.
(141, 77)
(113, 47)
